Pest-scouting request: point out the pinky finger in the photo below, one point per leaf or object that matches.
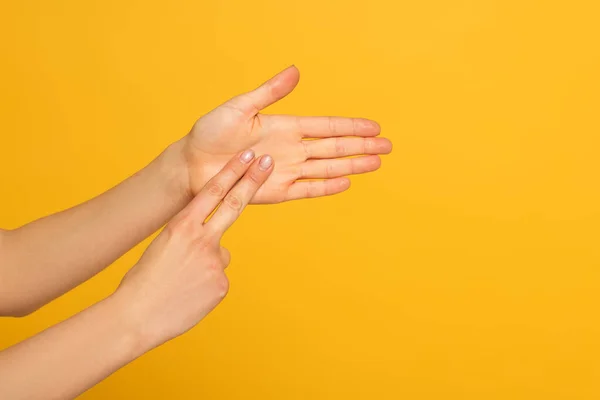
(309, 189)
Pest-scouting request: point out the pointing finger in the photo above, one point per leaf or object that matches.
(215, 190)
(236, 200)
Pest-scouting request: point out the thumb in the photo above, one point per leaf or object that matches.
(271, 91)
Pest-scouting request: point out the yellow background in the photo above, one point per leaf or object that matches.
(467, 268)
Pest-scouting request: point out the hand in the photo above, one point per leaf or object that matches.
(237, 125)
(181, 276)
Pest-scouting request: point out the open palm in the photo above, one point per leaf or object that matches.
(310, 153)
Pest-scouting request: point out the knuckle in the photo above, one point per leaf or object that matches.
(197, 125)
(367, 146)
(216, 189)
(225, 256)
(332, 125)
(354, 126)
(254, 177)
(340, 149)
(329, 170)
(233, 202)
(203, 243)
(215, 265)
(182, 226)
(221, 285)
(171, 230)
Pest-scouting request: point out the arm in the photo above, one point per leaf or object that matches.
(45, 258)
(67, 358)
(177, 282)
(48, 257)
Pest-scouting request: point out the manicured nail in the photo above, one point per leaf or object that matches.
(265, 162)
(247, 156)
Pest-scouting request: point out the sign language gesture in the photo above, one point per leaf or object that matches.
(178, 280)
(319, 162)
(203, 182)
(181, 276)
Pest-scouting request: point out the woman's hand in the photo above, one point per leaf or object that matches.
(237, 125)
(181, 276)
(179, 279)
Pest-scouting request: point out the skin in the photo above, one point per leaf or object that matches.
(238, 124)
(45, 258)
(180, 278)
(177, 282)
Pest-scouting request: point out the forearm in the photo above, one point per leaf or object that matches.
(72, 356)
(45, 258)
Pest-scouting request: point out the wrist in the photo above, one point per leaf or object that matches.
(175, 173)
(137, 338)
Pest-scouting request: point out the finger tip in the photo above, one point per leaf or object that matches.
(375, 127)
(368, 127)
(374, 162)
(294, 68)
(389, 146)
(247, 156)
(266, 162)
(292, 75)
(384, 146)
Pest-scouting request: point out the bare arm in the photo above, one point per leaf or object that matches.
(66, 359)
(45, 258)
(177, 282)
(48, 257)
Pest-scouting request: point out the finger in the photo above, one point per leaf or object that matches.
(325, 169)
(308, 189)
(268, 93)
(236, 200)
(215, 189)
(322, 127)
(225, 256)
(346, 146)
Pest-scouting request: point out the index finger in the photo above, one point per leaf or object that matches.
(238, 198)
(217, 187)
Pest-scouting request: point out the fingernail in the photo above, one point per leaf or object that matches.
(265, 162)
(247, 156)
